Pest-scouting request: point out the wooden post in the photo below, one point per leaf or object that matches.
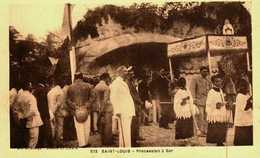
(171, 72)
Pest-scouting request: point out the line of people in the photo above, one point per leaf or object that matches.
(39, 113)
(206, 106)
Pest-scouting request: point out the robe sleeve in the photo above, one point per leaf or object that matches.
(113, 98)
(177, 102)
(210, 102)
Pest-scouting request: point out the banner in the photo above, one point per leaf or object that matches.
(227, 42)
(187, 47)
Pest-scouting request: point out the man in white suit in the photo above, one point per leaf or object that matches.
(123, 106)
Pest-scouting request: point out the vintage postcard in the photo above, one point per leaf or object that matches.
(130, 79)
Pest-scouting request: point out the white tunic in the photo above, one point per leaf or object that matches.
(186, 110)
(214, 114)
(242, 117)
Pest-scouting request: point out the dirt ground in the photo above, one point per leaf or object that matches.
(157, 137)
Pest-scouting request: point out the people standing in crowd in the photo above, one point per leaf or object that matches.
(199, 88)
(218, 113)
(27, 108)
(45, 132)
(143, 91)
(123, 106)
(60, 114)
(95, 112)
(230, 94)
(243, 115)
(18, 131)
(136, 120)
(80, 98)
(165, 104)
(102, 92)
(185, 110)
(173, 88)
(159, 93)
(155, 96)
(54, 97)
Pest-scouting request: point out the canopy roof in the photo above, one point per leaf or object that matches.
(212, 43)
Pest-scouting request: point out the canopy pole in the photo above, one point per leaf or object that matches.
(171, 72)
(209, 61)
(247, 61)
(209, 57)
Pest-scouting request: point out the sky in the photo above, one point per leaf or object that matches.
(40, 18)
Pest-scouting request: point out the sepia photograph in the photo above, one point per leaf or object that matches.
(130, 75)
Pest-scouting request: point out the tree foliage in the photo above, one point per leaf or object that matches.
(151, 17)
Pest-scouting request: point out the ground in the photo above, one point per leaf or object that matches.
(158, 137)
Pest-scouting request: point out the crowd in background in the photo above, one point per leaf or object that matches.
(44, 115)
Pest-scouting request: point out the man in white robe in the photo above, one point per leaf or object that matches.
(123, 106)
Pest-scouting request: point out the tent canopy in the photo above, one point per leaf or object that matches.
(203, 44)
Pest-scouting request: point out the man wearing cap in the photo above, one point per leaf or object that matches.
(199, 88)
(79, 100)
(123, 106)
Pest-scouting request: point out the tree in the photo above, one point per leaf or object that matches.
(153, 18)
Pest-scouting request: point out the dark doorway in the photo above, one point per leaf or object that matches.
(152, 55)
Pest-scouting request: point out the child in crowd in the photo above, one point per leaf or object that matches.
(218, 113)
(243, 115)
(184, 110)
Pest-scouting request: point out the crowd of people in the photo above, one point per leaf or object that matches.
(118, 107)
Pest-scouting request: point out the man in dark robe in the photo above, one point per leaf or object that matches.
(136, 121)
(45, 132)
(143, 91)
(159, 90)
